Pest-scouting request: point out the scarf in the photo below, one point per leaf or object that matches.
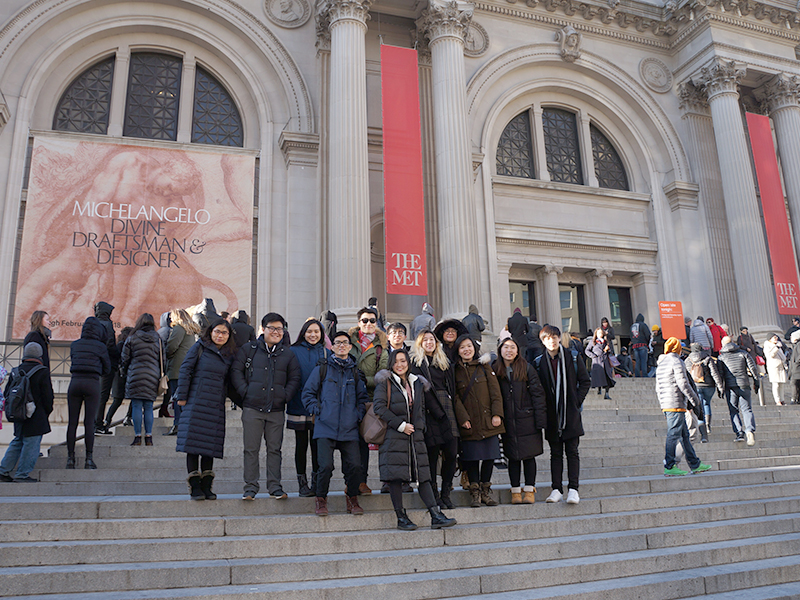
(558, 384)
(365, 339)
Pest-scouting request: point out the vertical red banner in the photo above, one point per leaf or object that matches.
(404, 209)
(779, 238)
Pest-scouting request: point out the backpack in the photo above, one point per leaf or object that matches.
(20, 405)
(698, 373)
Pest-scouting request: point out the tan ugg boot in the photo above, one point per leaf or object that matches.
(528, 494)
(516, 495)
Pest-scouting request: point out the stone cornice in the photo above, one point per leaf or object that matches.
(782, 91)
(445, 18)
(720, 77)
(299, 148)
(682, 195)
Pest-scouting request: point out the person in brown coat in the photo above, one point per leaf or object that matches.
(479, 411)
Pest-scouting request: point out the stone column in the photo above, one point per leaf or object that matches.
(756, 298)
(187, 99)
(349, 267)
(782, 93)
(116, 117)
(601, 303)
(444, 24)
(552, 298)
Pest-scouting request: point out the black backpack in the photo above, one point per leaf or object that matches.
(20, 404)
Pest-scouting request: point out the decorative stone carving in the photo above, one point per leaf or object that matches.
(570, 41)
(720, 77)
(655, 74)
(5, 114)
(476, 40)
(288, 13)
(330, 11)
(693, 98)
(445, 19)
(781, 91)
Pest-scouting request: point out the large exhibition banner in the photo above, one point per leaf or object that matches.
(404, 205)
(779, 238)
(144, 228)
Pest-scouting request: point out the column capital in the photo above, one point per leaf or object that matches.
(694, 100)
(721, 77)
(445, 18)
(782, 91)
(548, 269)
(603, 272)
(330, 12)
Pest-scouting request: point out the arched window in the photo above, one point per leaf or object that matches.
(608, 166)
(561, 146)
(514, 153)
(85, 105)
(216, 119)
(154, 85)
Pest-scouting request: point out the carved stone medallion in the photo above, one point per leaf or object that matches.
(476, 40)
(288, 13)
(656, 75)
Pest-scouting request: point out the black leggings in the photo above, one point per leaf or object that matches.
(82, 391)
(194, 462)
(528, 465)
(425, 492)
(479, 471)
(303, 438)
(449, 463)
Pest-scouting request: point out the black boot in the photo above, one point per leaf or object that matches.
(71, 461)
(194, 485)
(89, 463)
(444, 497)
(206, 479)
(403, 522)
(703, 433)
(305, 491)
(313, 485)
(172, 430)
(438, 518)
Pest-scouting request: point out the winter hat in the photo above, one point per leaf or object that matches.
(695, 347)
(672, 345)
(655, 328)
(32, 350)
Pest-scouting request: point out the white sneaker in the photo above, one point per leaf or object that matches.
(751, 438)
(573, 497)
(555, 496)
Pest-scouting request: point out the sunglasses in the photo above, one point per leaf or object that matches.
(369, 320)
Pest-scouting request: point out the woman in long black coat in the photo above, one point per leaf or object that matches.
(201, 393)
(602, 373)
(403, 457)
(525, 415)
(40, 333)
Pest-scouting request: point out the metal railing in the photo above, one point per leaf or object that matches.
(11, 356)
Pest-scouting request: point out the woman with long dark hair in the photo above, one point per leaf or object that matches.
(403, 457)
(441, 432)
(525, 415)
(143, 357)
(40, 333)
(201, 393)
(309, 348)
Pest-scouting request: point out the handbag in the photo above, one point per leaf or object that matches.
(760, 361)
(613, 360)
(163, 380)
(372, 427)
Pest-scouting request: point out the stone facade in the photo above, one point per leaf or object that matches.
(663, 83)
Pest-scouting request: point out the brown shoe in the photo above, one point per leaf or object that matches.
(464, 480)
(486, 494)
(352, 505)
(321, 506)
(364, 489)
(529, 497)
(516, 495)
(475, 495)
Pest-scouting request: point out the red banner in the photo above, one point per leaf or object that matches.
(779, 239)
(404, 208)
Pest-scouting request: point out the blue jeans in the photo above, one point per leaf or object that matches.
(23, 452)
(706, 394)
(678, 431)
(739, 402)
(140, 406)
(640, 356)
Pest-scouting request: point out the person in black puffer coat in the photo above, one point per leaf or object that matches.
(142, 359)
(403, 457)
(525, 415)
(201, 393)
(739, 370)
(102, 311)
(89, 361)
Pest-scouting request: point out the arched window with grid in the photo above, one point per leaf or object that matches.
(216, 119)
(608, 167)
(85, 105)
(153, 100)
(514, 150)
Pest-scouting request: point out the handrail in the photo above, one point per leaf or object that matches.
(11, 356)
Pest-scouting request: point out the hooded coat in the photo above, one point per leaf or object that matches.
(103, 310)
(518, 328)
(42, 391)
(402, 457)
(142, 357)
(525, 415)
(478, 404)
(425, 320)
(338, 403)
(712, 376)
(701, 334)
(309, 357)
(474, 323)
(202, 383)
(163, 327)
(373, 359)
(450, 351)
(243, 332)
(206, 314)
(776, 360)
(89, 354)
(640, 332)
(737, 366)
(178, 344)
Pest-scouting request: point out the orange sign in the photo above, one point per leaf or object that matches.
(672, 320)
(146, 229)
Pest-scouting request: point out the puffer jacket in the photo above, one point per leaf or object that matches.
(308, 357)
(142, 357)
(202, 384)
(525, 415)
(89, 354)
(736, 366)
(339, 402)
(474, 323)
(402, 457)
(701, 334)
(178, 344)
(483, 401)
(103, 310)
(712, 377)
(42, 391)
(272, 379)
(373, 360)
(440, 417)
(672, 384)
(518, 326)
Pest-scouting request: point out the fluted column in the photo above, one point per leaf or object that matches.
(782, 93)
(552, 298)
(444, 24)
(601, 304)
(349, 269)
(697, 116)
(757, 302)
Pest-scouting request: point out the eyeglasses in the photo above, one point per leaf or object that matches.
(365, 321)
(272, 329)
(223, 332)
(342, 344)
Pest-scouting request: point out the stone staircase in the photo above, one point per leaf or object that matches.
(129, 531)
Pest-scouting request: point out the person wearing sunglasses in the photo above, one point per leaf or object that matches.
(370, 352)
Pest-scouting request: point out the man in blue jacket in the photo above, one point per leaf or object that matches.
(336, 395)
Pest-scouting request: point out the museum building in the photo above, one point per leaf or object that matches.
(581, 159)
